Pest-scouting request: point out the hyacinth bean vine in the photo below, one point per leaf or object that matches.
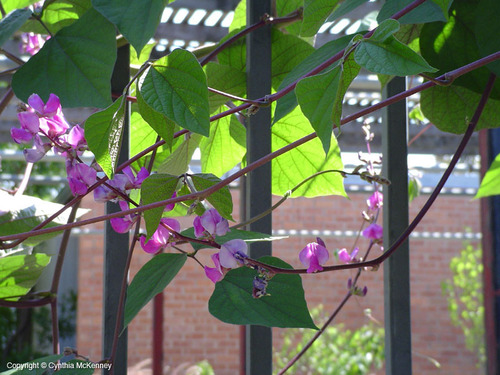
(188, 100)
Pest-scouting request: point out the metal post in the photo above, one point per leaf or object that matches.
(116, 244)
(490, 226)
(397, 267)
(258, 184)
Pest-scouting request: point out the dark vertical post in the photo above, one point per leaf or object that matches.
(116, 244)
(258, 184)
(489, 142)
(397, 267)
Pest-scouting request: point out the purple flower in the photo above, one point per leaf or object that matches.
(51, 108)
(38, 151)
(30, 125)
(122, 182)
(76, 138)
(215, 273)
(211, 223)
(313, 256)
(345, 257)
(375, 201)
(373, 232)
(232, 253)
(123, 224)
(80, 177)
(31, 43)
(161, 238)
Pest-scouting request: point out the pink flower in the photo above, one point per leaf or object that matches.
(215, 273)
(38, 151)
(123, 224)
(31, 43)
(373, 232)
(313, 256)
(375, 201)
(345, 257)
(232, 253)
(123, 182)
(211, 223)
(162, 237)
(30, 125)
(51, 108)
(80, 176)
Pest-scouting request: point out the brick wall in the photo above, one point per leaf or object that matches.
(192, 334)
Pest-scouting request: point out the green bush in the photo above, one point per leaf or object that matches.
(464, 292)
(338, 351)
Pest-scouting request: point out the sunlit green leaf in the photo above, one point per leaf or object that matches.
(155, 188)
(151, 279)
(178, 161)
(491, 180)
(76, 64)
(385, 30)
(224, 148)
(103, 132)
(285, 306)
(221, 199)
(143, 136)
(295, 166)
(176, 86)
(345, 7)
(227, 79)
(19, 273)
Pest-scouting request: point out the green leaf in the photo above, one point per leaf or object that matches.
(159, 122)
(143, 56)
(390, 57)
(296, 165)
(490, 185)
(144, 136)
(59, 14)
(103, 132)
(451, 45)
(451, 107)
(24, 212)
(224, 78)
(178, 161)
(224, 148)
(424, 13)
(155, 188)
(37, 368)
(221, 199)
(287, 103)
(385, 30)
(12, 22)
(233, 234)
(317, 96)
(320, 98)
(285, 307)
(288, 51)
(137, 20)
(345, 7)
(315, 13)
(19, 273)
(151, 279)
(444, 5)
(10, 5)
(487, 29)
(176, 86)
(76, 64)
